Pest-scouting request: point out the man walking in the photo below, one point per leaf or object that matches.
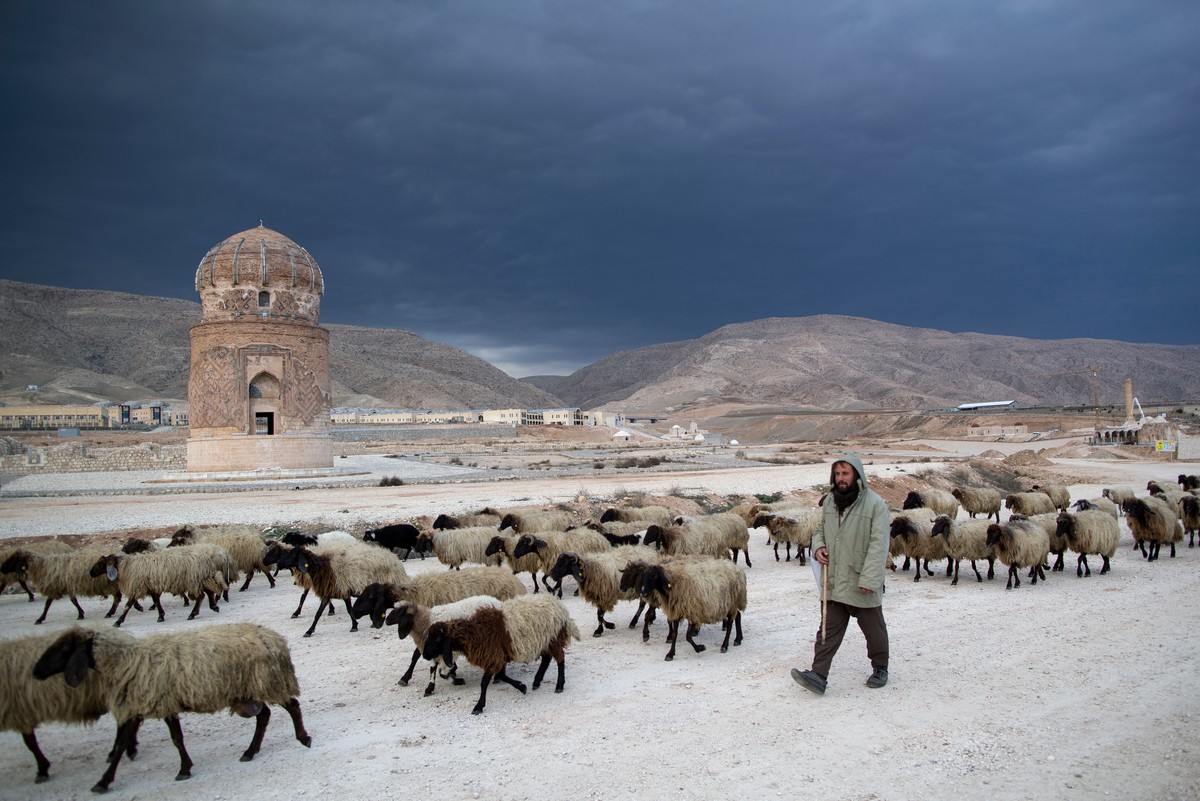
(851, 542)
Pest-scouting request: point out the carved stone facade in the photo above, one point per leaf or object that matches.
(258, 392)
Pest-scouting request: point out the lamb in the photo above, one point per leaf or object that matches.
(1020, 543)
(39, 546)
(197, 571)
(794, 528)
(1060, 495)
(398, 535)
(915, 528)
(549, 545)
(534, 522)
(703, 592)
(1152, 520)
(435, 589)
(241, 667)
(486, 517)
(1090, 531)
(341, 573)
(25, 704)
(716, 534)
(979, 501)
(644, 514)
(1098, 505)
(965, 539)
(243, 543)
(521, 630)
(414, 619)
(1029, 503)
(454, 547)
(1118, 495)
(599, 578)
(940, 501)
(1189, 515)
(59, 575)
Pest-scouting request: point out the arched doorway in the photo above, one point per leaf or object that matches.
(264, 404)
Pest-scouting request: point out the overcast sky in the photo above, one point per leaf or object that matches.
(546, 183)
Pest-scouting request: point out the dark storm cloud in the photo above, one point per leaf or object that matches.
(546, 183)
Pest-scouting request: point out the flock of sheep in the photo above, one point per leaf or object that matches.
(485, 613)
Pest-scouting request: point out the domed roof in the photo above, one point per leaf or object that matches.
(260, 272)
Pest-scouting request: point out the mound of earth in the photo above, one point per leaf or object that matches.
(1027, 458)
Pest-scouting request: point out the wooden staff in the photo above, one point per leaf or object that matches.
(824, 597)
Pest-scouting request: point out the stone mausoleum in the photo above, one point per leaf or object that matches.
(258, 391)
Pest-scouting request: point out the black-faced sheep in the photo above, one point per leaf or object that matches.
(1090, 531)
(549, 545)
(795, 528)
(599, 578)
(1029, 503)
(979, 501)
(414, 619)
(1020, 544)
(1098, 505)
(1057, 542)
(241, 667)
(339, 573)
(25, 703)
(459, 546)
(719, 535)
(504, 546)
(710, 591)
(533, 522)
(62, 575)
(399, 535)
(1152, 520)
(914, 527)
(1189, 515)
(940, 501)
(244, 544)
(1169, 494)
(197, 571)
(1057, 493)
(39, 546)
(435, 589)
(523, 629)
(1118, 495)
(1188, 482)
(489, 518)
(965, 539)
(644, 514)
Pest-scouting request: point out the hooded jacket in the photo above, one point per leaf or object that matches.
(857, 542)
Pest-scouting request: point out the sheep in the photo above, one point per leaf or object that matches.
(599, 578)
(398, 535)
(647, 514)
(521, 630)
(1189, 515)
(1098, 505)
(241, 667)
(504, 545)
(1090, 531)
(25, 704)
(1188, 482)
(1118, 495)
(1058, 543)
(940, 501)
(618, 532)
(414, 619)
(342, 573)
(1169, 494)
(703, 592)
(58, 575)
(1020, 543)
(489, 518)
(914, 527)
(1029, 503)
(796, 527)
(245, 545)
(534, 522)
(549, 545)
(454, 547)
(198, 571)
(979, 501)
(39, 546)
(716, 534)
(1152, 520)
(1060, 495)
(965, 539)
(435, 589)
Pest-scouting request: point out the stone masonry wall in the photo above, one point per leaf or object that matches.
(76, 457)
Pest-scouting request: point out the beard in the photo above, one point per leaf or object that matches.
(844, 498)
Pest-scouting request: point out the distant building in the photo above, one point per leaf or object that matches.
(970, 407)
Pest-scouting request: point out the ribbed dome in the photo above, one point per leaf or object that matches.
(259, 272)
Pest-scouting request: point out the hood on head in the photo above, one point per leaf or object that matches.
(852, 460)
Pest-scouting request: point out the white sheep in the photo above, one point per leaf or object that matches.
(1020, 543)
(598, 575)
(914, 528)
(793, 528)
(1048, 522)
(197, 571)
(965, 539)
(42, 546)
(1100, 504)
(504, 546)
(241, 667)
(521, 630)
(1118, 495)
(456, 547)
(1090, 531)
(1057, 493)
(638, 514)
(338, 574)
(940, 501)
(1029, 503)
(706, 591)
(979, 501)
(1152, 520)
(549, 545)
(532, 522)
(62, 575)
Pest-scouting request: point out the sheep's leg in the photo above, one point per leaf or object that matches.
(29, 592)
(196, 606)
(1104, 569)
(303, 598)
(737, 622)
(45, 609)
(429, 688)
(130, 745)
(260, 728)
(125, 732)
(1011, 572)
(504, 677)
(353, 619)
(75, 600)
(800, 555)
(121, 619)
(411, 667)
(246, 583)
(746, 555)
(777, 552)
(43, 764)
(292, 705)
(212, 599)
(955, 581)
(691, 631)
(641, 606)
(672, 634)
(906, 564)
(317, 619)
(948, 567)
(483, 685)
(541, 671)
(991, 567)
(728, 625)
(112, 610)
(1058, 563)
(917, 577)
(185, 761)
(270, 578)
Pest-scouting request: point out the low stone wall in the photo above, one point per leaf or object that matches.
(76, 457)
(423, 433)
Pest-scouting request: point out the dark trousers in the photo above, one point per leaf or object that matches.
(837, 618)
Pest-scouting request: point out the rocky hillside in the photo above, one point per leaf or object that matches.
(82, 346)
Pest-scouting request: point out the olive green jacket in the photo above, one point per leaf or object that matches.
(857, 542)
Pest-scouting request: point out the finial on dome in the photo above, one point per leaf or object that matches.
(260, 225)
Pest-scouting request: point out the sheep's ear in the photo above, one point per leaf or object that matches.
(539, 543)
(111, 570)
(448, 652)
(302, 564)
(577, 572)
(77, 665)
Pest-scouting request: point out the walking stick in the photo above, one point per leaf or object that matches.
(824, 598)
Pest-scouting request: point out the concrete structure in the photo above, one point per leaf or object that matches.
(258, 391)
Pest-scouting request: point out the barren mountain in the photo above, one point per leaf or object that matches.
(83, 346)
